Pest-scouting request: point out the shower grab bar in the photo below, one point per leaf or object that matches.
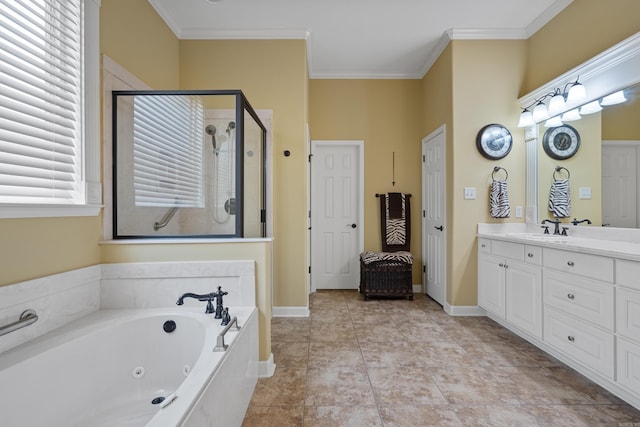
(26, 318)
(165, 219)
(220, 345)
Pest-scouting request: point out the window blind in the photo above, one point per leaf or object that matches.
(168, 146)
(41, 102)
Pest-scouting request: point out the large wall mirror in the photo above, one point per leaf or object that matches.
(604, 171)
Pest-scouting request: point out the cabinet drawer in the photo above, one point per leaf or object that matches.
(628, 365)
(628, 314)
(589, 300)
(484, 246)
(508, 250)
(592, 266)
(628, 273)
(584, 343)
(533, 255)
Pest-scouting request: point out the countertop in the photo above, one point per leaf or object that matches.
(612, 242)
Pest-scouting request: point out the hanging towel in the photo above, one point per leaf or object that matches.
(560, 198)
(499, 199)
(395, 222)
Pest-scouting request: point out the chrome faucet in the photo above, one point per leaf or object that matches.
(205, 297)
(555, 222)
(576, 222)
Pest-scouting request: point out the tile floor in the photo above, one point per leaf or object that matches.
(407, 363)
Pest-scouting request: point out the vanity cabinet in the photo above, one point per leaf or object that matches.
(628, 324)
(582, 308)
(509, 283)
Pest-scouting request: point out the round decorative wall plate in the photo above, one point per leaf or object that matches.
(561, 142)
(494, 141)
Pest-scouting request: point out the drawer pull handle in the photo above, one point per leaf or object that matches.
(530, 255)
(570, 338)
(571, 296)
(484, 246)
(570, 263)
(501, 265)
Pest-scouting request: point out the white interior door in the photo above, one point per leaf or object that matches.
(337, 216)
(433, 215)
(619, 184)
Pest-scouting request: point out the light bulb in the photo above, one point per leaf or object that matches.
(571, 115)
(590, 108)
(553, 122)
(540, 112)
(526, 119)
(614, 98)
(577, 93)
(556, 104)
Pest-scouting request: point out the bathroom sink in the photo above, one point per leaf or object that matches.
(540, 237)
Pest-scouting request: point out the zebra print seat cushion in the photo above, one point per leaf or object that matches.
(369, 257)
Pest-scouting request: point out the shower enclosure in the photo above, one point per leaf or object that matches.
(187, 164)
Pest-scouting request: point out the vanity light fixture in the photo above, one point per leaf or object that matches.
(571, 115)
(590, 108)
(557, 103)
(553, 122)
(572, 94)
(613, 99)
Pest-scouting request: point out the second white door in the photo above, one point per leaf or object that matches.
(336, 213)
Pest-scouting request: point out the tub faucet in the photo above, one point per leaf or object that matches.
(556, 223)
(205, 297)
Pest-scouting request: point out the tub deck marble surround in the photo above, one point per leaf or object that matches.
(408, 363)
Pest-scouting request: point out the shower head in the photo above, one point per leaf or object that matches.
(211, 130)
(231, 126)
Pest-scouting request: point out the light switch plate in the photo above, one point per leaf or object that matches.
(585, 192)
(518, 211)
(469, 193)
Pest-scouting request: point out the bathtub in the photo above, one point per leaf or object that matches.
(120, 368)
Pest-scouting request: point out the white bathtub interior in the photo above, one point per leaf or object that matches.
(115, 291)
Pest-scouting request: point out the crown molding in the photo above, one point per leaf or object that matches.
(612, 70)
(166, 17)
(545, 17)
(486, 33)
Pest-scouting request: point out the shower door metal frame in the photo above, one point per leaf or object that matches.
(242, 105)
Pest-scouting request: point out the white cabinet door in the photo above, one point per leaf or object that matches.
(524, 297)
(491, 284)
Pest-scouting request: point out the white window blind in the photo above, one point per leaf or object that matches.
(41, 102)
(168, 145)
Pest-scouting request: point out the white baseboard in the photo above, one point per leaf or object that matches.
(417, 289)
(266, 368)
(290, 312)
(463, 310)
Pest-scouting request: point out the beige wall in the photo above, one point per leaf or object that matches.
(487, 76)
(386, 115)
(273, 75)
(133, 35)
(584, 29)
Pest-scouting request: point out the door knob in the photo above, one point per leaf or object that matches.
(439, 228)
(351, 225)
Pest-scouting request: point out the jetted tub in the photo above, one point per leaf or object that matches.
(121, 368)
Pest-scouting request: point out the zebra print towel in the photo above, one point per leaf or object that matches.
(499, 199)
(395, 222)
(560, 198)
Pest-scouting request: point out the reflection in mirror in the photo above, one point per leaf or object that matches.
(620, 161)
(604, 175)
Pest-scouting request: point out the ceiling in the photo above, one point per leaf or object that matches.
(360, 38)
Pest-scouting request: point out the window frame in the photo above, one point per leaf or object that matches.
(90, 146)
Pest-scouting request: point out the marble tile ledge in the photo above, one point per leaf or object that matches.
(614, 242)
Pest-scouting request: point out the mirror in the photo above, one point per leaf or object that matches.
(603, 171)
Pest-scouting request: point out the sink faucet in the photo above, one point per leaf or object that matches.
(204, 297)
(555, 222)
(576, 222)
